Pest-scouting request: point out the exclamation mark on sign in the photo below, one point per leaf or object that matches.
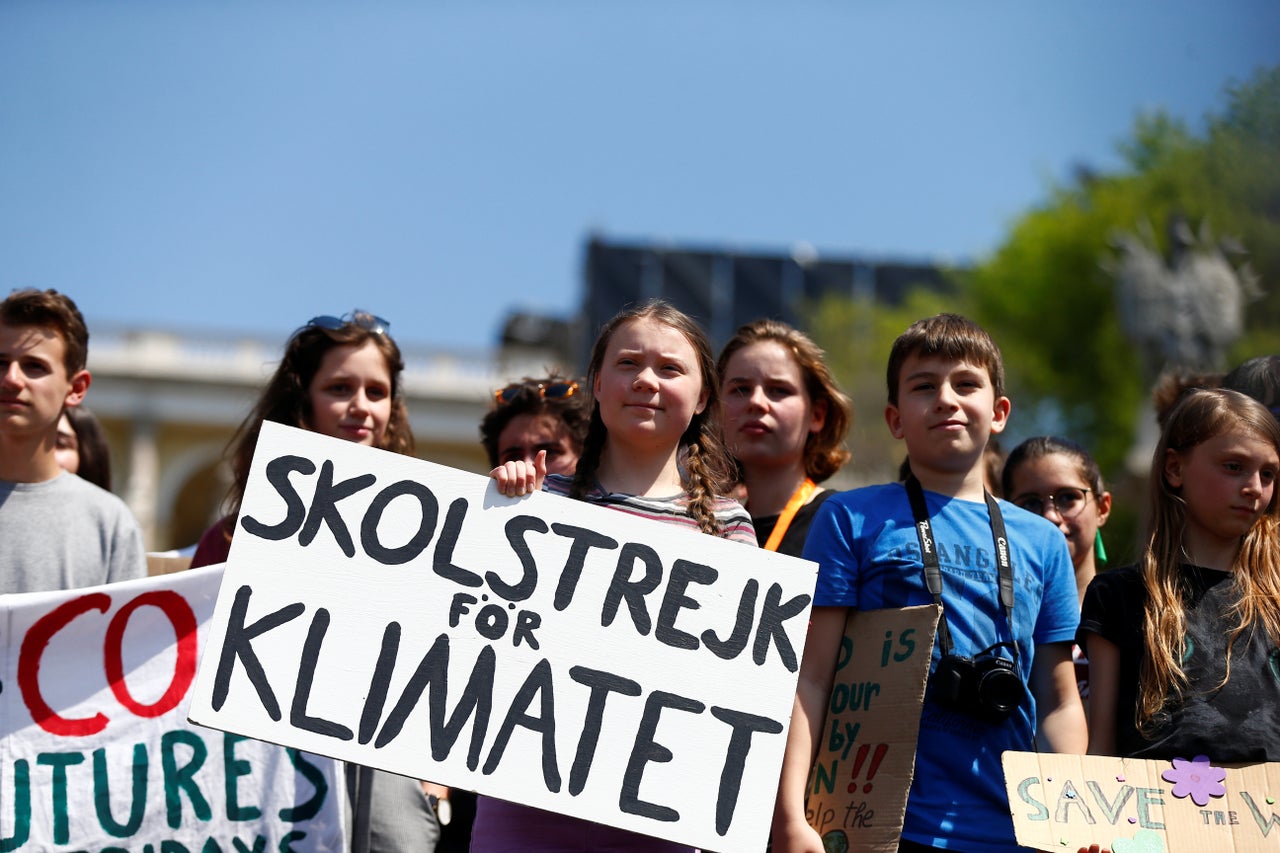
(871, 771)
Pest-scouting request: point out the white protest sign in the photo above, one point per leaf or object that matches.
(96, 753)
(404, 615)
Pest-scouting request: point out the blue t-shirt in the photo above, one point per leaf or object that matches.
(868, 554)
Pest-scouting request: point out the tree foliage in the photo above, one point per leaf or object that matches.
(1048, 296)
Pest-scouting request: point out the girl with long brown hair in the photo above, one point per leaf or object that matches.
(1184, 647)
(340, 376)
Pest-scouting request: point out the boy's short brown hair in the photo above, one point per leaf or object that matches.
(949, 336)
(50, 309)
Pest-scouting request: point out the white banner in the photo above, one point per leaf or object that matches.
(97, 753)
(404, 615)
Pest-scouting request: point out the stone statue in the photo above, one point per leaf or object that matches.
(1185, 311)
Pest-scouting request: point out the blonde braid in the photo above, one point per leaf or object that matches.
(701, 491)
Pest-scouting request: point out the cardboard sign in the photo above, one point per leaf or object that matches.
(164, 564)
(95, 750)
(404, 615)
(1131, 805)
(861, 776)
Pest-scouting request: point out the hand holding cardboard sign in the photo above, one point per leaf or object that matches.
(796, 837)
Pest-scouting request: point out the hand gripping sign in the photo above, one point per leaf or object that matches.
(403, 615)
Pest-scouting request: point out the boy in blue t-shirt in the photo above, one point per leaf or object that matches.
(946, 384)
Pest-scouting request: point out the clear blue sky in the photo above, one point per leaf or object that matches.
(243, 165)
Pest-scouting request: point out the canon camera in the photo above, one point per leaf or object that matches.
(986, 686)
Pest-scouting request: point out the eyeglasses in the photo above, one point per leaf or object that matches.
(363, 319)
(547, 391)
(1067, 502)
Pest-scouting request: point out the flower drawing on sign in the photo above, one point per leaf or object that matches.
(1197, 779)
(1143, 841)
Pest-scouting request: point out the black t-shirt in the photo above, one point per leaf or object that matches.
(792, 543)
(1239, 722)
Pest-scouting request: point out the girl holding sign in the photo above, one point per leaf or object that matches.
(653, 450)
(340, 376)
(784, 422)
(1184, 648)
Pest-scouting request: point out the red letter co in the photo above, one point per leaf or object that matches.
(175, 609)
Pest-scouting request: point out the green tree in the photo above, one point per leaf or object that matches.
(1049, 299)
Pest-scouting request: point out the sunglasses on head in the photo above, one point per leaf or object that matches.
(370, 322)
(547, 391)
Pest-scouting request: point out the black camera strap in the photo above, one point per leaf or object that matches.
(933, 574)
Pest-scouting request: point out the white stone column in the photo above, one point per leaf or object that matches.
(142, 486)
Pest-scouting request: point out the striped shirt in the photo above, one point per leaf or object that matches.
(735, 522)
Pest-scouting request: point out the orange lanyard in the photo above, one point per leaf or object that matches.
(798, 499)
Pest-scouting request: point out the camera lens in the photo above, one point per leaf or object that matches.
(1000, 691)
